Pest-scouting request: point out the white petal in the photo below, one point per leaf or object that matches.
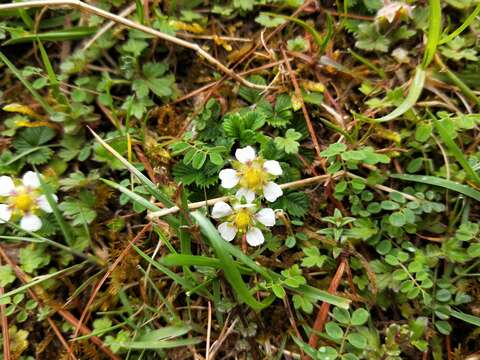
(221, 209)
(245, 154)
(247, 193)
(5, 213)
(30, 180)
(255, 237)
(7, 187)
(229, 178)
(30, 222)
(272, 191)
(273, 167)
(227, 231)
(266, 217)
(43, 203)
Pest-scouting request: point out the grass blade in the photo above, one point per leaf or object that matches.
(471, 319)
(39, 279)
(52, 77)
(57, 35)
(434, 31)
(27, 84)
(182, 281)
(64, 226)
(151, 187)
(231, 271)
(468, 21)
(436, 181)
(162, 344)
(456, 151)
(316, 295)
(413, 94)
(133, 196)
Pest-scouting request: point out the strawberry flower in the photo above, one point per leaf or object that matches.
(23, 201)
(392, 9)
(243, 219)
(253, 175)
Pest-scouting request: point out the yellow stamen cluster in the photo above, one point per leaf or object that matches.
(242, 218)
(23, 201)
(252, 175)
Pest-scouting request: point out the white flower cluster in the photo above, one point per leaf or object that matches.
(23, 200)
(251, 176)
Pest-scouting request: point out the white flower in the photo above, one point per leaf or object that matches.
(253, 175)
(390, 11)
(243, 219)
(23, 200)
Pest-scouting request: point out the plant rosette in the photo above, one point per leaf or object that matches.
(243, 219)
(252, 175)
(23, 200)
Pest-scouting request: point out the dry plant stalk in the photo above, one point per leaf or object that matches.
(210, 202)
(134, 25)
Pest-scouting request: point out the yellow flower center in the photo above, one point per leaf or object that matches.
(242, 219)
(23, 201)
(253, 177)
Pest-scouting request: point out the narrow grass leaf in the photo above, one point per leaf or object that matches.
(182, 281)
(64, 226)
(434, 31)
(231, 271)
(40, 239)
(52, 77)
(39, 279)
(133, 196)
(26, 83)
(313, 293)
(57, 35)
(468, 21)
(471, 319)
(310, 29)
(456, 151)
(413, 94)
(437, 181)
(163, 344)
(151, 187)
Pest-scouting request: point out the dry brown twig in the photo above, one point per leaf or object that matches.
(134, 25)
(209, 202)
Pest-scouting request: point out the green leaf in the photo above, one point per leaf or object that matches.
(357, 340)
(33, 257)
(443, 327)
(29, 143)
(397, 219)
(333, 330)
(289, 143)
(269, 21)
(80, 211)
(199, 159)
(359, 317)
(341, 315)
(6, 275)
